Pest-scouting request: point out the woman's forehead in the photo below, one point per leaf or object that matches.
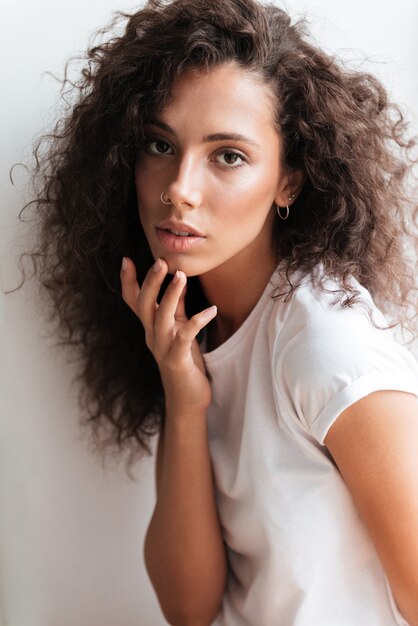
(227, 95)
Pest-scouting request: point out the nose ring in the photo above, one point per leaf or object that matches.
(162, 199)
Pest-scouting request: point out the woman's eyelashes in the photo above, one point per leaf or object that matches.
(158, 144)
(233, 165)
(159, 147)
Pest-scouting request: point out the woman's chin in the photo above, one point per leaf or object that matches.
(184, 265)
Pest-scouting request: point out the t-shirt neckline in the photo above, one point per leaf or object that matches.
(228, 345)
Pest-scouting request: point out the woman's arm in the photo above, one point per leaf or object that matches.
(375, 445)
(184, 550)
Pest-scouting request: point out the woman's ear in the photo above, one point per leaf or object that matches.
(290, 187)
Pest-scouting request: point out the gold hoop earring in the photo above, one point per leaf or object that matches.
(162, 199)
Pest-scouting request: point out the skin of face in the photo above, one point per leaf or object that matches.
(224, 188)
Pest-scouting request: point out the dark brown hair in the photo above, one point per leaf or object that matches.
(355, 213)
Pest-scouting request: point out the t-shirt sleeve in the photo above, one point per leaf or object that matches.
(328, 357)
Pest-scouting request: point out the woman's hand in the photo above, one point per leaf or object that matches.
(170, 335)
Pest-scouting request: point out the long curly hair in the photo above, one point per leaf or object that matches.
(355, 214)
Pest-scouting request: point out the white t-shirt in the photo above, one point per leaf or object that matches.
(298, 553)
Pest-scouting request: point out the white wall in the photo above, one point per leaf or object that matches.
(71, 531)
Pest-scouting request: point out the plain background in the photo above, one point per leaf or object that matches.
(71, 528)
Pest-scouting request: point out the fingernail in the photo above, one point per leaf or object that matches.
(210, 312)
(176, 278)
(157, 266)
(124, 264)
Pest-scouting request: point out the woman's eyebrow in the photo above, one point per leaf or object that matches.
(206, 138)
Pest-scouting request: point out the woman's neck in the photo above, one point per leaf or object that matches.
(235, 291)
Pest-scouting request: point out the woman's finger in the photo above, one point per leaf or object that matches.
(165, 317)
(180, 314)
(150, 288)
(187, 333)
(129, 284)
(143, 300)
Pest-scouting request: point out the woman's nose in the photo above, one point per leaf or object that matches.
(184, 189)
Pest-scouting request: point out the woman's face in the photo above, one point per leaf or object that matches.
(216, 155)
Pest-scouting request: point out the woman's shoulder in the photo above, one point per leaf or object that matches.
(318, 331)
(326, 355)
(322, 304)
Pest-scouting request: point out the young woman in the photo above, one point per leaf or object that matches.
(257, 192)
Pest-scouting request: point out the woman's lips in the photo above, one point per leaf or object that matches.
(177, 242)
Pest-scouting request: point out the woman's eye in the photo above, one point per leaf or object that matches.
(231, 160)
(227, 159)
(156, 146)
